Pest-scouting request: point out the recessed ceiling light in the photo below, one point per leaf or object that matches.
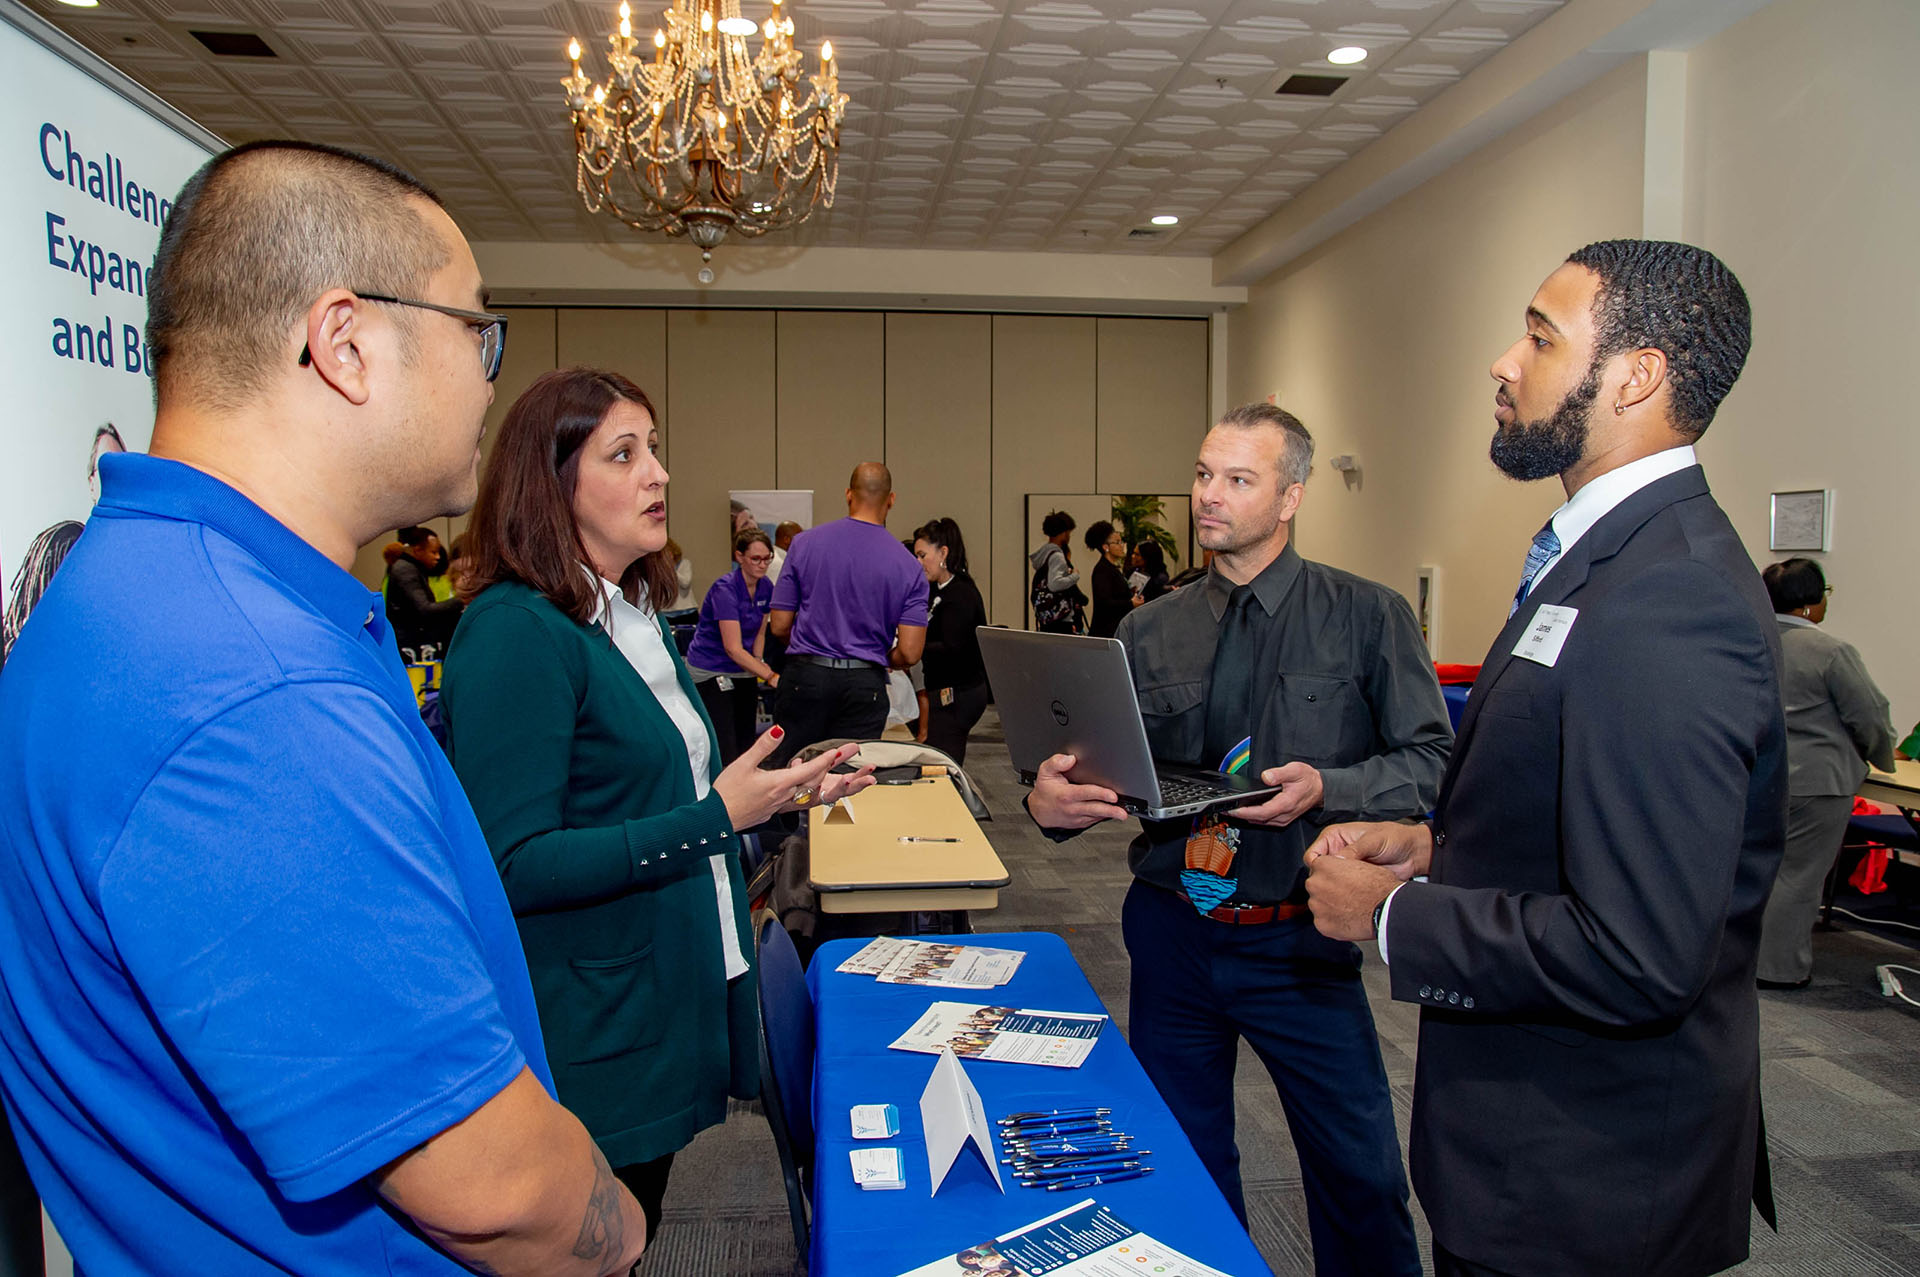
(82, 4)
(737, 26)
(1346, 55)
(1166, 219)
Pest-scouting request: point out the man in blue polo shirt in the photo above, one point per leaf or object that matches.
(263, 1006)
(851, 602)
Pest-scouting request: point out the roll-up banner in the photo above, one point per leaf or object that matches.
(92, 163)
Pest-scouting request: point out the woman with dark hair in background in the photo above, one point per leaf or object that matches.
(574, 726)
(1837, 722)
(728, 652)
(1113, 598)
(1055, 589)
(956, 677)
(1151, 561)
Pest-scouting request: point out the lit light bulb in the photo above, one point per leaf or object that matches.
(573, 50)
(659, 38)
(706, 19)
(826, 50)
(599, 95)
(720, 120)
(626, 27)
(625, 11)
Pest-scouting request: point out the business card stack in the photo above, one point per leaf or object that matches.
(877, 1168)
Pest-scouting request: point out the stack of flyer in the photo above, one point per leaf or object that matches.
(949, 966)
(1012, 1035)
(1087, 1240)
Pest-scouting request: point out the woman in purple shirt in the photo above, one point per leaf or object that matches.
(727, 653)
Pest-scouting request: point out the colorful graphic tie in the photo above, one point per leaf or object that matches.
(1213, 843)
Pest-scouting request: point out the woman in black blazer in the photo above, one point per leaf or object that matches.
(956, 678)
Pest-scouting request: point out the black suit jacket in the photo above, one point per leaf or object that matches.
(1587, 1096)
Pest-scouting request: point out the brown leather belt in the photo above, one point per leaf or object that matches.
(1254, 915)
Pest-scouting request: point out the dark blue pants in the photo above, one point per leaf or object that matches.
(1199, 987)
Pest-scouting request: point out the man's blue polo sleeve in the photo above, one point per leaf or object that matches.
(285, 899)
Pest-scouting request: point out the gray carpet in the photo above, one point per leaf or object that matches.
(1842, 1081)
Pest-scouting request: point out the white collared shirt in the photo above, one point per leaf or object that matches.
(636, 632)
(1571, 522)
(1601, 494)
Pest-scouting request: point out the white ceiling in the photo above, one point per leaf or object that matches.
(974, 124)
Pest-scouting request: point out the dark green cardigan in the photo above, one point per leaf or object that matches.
(581, 784)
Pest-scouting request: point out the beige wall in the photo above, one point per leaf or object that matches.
(1380, 340)
(971, 412)
(1804, 174)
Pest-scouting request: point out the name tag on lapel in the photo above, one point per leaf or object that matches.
(1546, 634)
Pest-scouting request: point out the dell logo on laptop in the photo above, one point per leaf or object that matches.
(1059, 713)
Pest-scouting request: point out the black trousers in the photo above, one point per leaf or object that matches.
(647, 1181)
(731, 712)
(21, 1245)
(816, 703)
(948, 725)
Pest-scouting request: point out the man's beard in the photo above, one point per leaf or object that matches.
(1540, 449)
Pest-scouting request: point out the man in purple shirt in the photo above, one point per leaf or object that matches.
(850, 602)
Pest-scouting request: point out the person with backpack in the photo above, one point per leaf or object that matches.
(1055, 589)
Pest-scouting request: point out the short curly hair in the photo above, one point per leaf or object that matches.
(1679, 300)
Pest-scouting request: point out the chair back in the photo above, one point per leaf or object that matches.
(787, 1049)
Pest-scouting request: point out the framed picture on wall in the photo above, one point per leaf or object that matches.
(1426, 606)
(1800, 520)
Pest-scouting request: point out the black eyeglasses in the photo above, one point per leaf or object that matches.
(492, 329)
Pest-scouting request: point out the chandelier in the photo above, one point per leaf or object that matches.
(706, 138)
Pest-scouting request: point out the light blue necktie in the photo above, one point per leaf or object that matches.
(1545, 545)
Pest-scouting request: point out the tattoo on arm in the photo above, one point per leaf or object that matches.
(603, 1228)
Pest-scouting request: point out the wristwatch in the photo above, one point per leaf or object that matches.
(1377, 911)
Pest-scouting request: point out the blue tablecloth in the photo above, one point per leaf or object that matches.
(857, 1233)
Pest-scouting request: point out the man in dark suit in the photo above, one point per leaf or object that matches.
(1587, 1095)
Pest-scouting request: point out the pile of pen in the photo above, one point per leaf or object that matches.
(1060, 1149)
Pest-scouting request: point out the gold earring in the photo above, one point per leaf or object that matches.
(1617, 410)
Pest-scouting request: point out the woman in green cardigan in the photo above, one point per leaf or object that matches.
(576, 730)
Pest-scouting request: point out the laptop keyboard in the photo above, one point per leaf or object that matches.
(1178, 791)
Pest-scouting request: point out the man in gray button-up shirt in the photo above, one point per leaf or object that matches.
(1326, 690)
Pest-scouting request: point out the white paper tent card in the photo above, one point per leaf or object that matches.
(953, 1117)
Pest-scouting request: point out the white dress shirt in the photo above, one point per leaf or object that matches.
(636, 632)
(1571, 522)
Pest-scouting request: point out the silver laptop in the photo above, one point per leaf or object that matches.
(1066, 694)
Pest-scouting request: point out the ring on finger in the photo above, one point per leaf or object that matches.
(803, 796)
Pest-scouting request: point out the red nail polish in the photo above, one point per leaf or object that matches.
(775, 732)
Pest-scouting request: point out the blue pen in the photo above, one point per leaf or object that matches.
(1054, 1128)
(1071, 1159)
(1094, 1181)
(1014, 1119)
(1084, 1168)
(1076, 1149)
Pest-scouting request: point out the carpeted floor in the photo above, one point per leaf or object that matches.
(1842, 1081)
